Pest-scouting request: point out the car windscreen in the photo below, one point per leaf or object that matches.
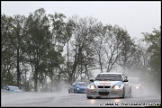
(134, 80)
(108, 77)
(13, 88)
(81, 84)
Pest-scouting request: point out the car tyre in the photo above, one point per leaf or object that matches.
(74, 91)
(123, 95)
(89, 97)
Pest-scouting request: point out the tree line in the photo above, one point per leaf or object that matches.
(41, 48)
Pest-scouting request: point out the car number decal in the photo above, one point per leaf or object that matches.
(103, 91)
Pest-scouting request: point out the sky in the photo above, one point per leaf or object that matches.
(134, 16)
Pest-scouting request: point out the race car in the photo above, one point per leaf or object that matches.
(107, 85)
(78, 87)
(137, 84)
(10, 88)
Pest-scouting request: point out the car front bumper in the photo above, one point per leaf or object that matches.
(137, 88)
(94, 93)
(80, 90)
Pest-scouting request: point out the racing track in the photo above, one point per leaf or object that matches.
(64, 99)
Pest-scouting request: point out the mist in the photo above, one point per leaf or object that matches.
(13, 98)
(150, 86)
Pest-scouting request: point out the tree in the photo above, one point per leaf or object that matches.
(53, 62)
(138, 63)
(112, 45)
(13, 44)
(127, 49)
(37, 39)
(61, 33)
(82, 50)
(16, 39)
(154, 41)
(99, 43)
(7, 51)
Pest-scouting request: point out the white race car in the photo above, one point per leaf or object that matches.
(137, 86)
(109, 85)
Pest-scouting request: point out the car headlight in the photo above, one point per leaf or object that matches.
(92, 86)
(137, 87)
(116, 87)
(78, 88)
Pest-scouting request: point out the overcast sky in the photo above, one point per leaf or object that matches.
(135, 16)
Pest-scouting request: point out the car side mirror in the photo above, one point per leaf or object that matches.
(126, 77)
(91, 80)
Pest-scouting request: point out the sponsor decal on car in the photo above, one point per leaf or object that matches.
(105, 82)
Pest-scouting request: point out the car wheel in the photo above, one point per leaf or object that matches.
(89, 97)
(74, 91)
(123, 94)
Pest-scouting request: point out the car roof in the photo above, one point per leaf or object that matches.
(111, 73)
